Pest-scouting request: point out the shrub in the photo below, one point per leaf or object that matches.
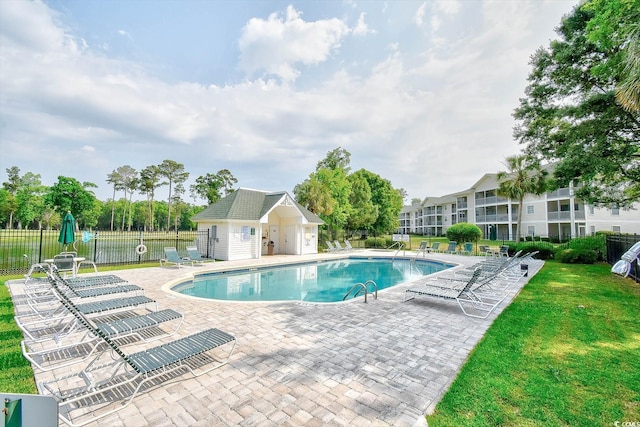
(595, 243)
(377, 242)
(464, 232)
(545, 249)
(577, 256)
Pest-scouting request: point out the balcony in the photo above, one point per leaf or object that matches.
(559, 216)
(560, 193)
(496, 218)
(565, 215)
(491, 200)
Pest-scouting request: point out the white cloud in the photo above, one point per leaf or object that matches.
(277, 44)
(420, 13)
(125, 33)
(432, 119)
(448, 7)
(361, 28)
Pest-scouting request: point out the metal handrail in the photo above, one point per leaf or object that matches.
(401, 247)
(375, 288)
(361, 287)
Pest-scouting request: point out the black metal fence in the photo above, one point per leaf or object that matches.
(119, 248)
(102, 247)
(617, 245)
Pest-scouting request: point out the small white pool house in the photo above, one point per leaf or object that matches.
(248, 224)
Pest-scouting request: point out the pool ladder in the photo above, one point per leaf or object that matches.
(362, 287)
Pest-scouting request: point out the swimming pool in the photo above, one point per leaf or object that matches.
(325, 281)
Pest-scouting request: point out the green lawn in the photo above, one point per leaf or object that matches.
(565, 352)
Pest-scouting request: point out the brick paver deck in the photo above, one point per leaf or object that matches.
(381, 363)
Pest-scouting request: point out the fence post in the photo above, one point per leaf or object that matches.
(95, 248)
(40, 246)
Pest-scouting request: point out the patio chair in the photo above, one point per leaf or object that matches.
(468, 249)
(195, 257)
(65, 263)
(435, 247)
(423, 249)
(331, 247)
(504, 251)
(347, 244)
(452, 248)
(120, 376)
(172, 257)
(58, 350)
(464, 296)
(338, 246)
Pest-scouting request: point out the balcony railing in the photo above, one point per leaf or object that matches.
(559, 193)
(491, 200)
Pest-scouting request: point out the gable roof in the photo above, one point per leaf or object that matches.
(250, 205)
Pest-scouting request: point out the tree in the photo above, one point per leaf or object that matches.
(12, 185)
(210, 186)
(524, 176)
(176, 174)
(115, 179)
(388, 200)
(29, 198)
(129, 185)
(338, 158)
(335, 184)
(617, 23)
(314, 195)
(68, 194)
(363, 212)
(570, 115)
(124, 178)
(4, 207)
(464, 232)
(149, 181)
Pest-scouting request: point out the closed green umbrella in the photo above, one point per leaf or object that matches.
(67, 231)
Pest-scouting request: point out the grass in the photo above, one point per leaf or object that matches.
(16, 375)
(565, 352)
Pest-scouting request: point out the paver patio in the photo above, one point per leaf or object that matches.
(381, 363)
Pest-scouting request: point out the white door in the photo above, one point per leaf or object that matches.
(274, 236)
(290, 240)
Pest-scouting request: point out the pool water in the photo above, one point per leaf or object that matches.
(326, 281)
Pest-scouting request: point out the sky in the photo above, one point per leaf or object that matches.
(419, 92)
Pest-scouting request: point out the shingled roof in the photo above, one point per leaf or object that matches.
(249, 205)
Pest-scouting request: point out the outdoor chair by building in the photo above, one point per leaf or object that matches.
(195, 257)
(171, 256)
(338, 246)
(348, 245)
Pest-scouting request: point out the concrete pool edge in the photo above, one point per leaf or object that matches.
(168, 287)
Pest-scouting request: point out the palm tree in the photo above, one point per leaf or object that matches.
(628, 92)
(176, 174)
(116, 179)
(524, 176)
(149, 181)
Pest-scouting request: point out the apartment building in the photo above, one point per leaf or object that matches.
(555, 214)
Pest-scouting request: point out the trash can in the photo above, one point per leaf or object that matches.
(525, 268)
(270, 248)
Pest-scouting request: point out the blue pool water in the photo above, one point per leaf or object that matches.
(326, 281)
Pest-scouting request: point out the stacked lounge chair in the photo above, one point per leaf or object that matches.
(99, 374)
